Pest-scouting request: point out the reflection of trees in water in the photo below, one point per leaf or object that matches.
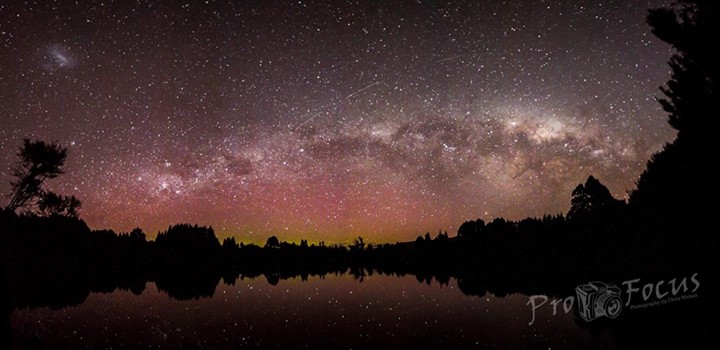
(483, 283)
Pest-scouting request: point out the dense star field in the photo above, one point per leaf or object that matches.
(328, 120)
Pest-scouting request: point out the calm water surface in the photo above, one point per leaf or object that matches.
(379, 312)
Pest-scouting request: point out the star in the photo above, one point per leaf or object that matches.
(328, 121)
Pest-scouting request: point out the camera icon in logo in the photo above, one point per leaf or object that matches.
(597, 299)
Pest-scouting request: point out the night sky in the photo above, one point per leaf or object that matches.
(328, 120)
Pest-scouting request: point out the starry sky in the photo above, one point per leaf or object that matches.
(331, 119)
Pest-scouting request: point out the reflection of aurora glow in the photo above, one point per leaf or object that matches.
(331, 122)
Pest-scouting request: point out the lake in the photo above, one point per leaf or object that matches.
(339, 311)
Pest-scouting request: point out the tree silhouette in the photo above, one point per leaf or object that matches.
(55, 204)
(272, 242)
(137, 234)
(471, 228)
(690, 26)
(678, 180)
(38, 162)
(358, 244)
(591, 197)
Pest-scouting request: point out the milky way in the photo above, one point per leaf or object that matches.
(329, 120)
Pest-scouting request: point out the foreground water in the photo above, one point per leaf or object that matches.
(338, 311)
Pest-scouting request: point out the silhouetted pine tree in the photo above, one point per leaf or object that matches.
(682, 175)
(671, 192)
